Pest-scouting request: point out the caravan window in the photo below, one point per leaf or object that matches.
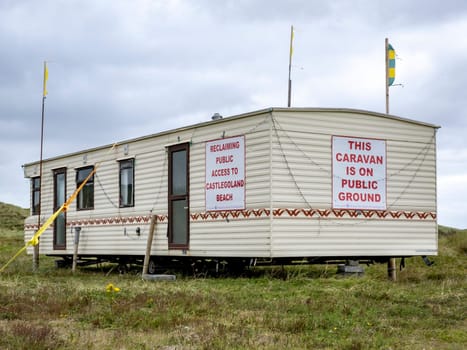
(127, 181)
(86, 195)
(36, 193)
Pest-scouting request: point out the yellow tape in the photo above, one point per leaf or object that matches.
(13, 258)
(35, 239)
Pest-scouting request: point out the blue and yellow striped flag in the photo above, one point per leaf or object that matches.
(391, 65)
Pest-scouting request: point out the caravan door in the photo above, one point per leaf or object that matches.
(59, 230)
(178, 197)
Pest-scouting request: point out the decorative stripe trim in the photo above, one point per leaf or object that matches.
(318, 213)
(259, 213)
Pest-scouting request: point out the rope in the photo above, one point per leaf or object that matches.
(422, 154)
(105, 193)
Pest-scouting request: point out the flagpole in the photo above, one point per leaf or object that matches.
(289, 99)
(35, 261)
(386, 47)
(391, 261)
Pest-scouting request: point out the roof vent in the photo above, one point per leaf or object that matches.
(216, 116)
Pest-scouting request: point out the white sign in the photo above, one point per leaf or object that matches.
(225, 174)
(358, 173)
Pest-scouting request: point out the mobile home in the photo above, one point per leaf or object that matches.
(278, 184)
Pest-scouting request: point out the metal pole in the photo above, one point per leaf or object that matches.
(289, 95)
(386, 44)
(35, 256)
(391, 261)
(75, 252)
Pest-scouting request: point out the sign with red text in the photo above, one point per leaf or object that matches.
(225, 174)
(358, 173)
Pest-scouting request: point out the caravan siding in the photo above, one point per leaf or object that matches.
(211, 234)
(306, 222)
(288, 207)
(110, 230)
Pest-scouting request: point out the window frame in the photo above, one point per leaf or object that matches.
(35, 189)
(88, 184)
(121, 167)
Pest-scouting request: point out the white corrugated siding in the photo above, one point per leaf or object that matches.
(232, 237)
(235, 237)
(302, 178)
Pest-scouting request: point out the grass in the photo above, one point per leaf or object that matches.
(12, 217)
(302, 307)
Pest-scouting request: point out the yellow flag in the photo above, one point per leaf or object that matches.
(46, 76)
(291, 41)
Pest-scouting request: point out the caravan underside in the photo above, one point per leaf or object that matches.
(194, 265)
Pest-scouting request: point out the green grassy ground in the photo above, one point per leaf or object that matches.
(12, 217)
(302, 307)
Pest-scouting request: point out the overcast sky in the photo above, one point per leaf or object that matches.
(120, 69)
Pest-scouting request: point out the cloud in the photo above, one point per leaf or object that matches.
(120, 69)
